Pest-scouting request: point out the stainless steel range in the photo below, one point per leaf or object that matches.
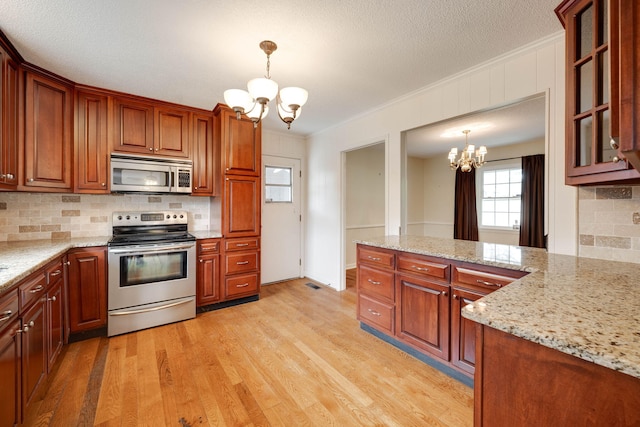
(152, 270)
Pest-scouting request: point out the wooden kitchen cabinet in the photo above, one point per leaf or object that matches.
(48, 132)
(208, 272)
(9, 105)
(206, 157)
(10, 360)
(240, 141)
(241, 267)
(601, 102)
(241, 206)
(87, 288)
(375, 283)
(55, 301)
(34, 337)
(463, 331)
(146, 128)
(91, 174)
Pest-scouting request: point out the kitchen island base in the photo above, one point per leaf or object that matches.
(522, 383)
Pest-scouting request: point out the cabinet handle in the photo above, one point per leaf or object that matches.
(53, 298)
(6, 315)
(244, 285)
(239, 245)
(375, 313)
(67, 263)
(36, 289)
(415, 267)
(373, 282)
(242, 262)
(25, 329)
(482, 282)
(373, 258)
(56, 273)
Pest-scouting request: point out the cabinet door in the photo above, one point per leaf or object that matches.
(55, 322)
(171, 132)
(591, 99)
(10, 373)
(34, 349)
(423, 314)
(629, 33)
(92, 151)
(48, 133)
(205, 157)
(241, 143)
(87, 289)
(241, 212)
(463, 332)
(132, 126)
(9, 119)
(208, 280)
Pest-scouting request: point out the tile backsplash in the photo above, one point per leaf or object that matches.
(609, 222)
(31, 216)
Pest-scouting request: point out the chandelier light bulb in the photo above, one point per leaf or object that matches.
(262, 88)
(291, 96)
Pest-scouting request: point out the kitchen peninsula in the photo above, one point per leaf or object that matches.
(559, 346)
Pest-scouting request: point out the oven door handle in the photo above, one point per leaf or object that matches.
(146, 310)
(149, 249)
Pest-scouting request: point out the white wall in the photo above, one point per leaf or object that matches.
(533, 69)
(364, 197)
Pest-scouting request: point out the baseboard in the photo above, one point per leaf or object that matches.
(225, 304)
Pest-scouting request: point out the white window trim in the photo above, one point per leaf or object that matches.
(493, 165)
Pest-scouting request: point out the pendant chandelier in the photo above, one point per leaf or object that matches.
(469, 158)
(262, 90)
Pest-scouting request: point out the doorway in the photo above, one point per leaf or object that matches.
(281, 219)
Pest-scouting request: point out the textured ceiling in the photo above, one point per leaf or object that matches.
(351, 56)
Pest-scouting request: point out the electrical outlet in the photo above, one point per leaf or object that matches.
(636, 217)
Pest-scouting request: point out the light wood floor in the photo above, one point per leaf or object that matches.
(296, 357)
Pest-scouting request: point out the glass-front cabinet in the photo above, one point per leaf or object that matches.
(592, 93)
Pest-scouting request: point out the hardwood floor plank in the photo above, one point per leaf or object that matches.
(296, 357)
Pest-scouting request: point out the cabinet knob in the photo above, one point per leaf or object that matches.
(103, 184)
(195, 188)
(615, 159)
(443, 293)
(156, 149)
(200, 260)
(150, 148)
(53, 298)
(26, 327)
(10, 176)
(67, 263)
(31, 180)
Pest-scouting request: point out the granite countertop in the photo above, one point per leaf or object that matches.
(19, 259)
(588, 308)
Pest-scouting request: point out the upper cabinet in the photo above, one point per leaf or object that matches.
(91, 143)
(599, 123)
(48, 131)
(140, 127)
(9, 90)
(240, 141)
(206, 157)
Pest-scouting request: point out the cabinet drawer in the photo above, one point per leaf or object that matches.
(485, 280)
(376, 313)
(8, 308)
(376, 257)
(241, 262)
(376, 282)
(241, 244)
(241, 285)
(206, 247)
(423, 267)
(31, 289)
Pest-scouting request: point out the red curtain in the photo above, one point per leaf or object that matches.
(465, 224)
(532, 211)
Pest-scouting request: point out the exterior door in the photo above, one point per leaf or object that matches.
(281, 219)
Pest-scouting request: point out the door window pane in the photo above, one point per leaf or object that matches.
(277, 185)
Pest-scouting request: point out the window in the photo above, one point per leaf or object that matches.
(500, 190)
(277, 185)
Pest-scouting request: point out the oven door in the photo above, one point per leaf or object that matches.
(145, 274)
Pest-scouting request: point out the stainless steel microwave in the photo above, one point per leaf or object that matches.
(150, 175)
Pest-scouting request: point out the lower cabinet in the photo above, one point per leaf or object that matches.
(87, 288)
(208, 272)
(10, 360)
(241, 267)
(423, 314)
(34, 349)
(417, 300)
